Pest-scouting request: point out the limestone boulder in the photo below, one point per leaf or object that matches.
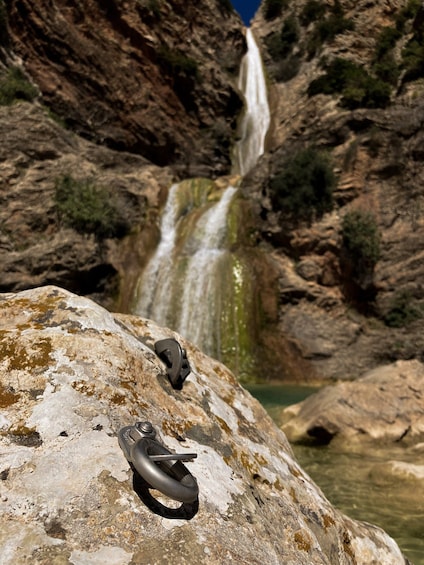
(385, 406)
(72, 375)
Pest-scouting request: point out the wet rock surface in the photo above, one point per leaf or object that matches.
(72, 374)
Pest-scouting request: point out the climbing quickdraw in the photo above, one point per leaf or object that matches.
(175, 359)
(160, 468)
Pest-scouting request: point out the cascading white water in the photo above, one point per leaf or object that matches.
(181, 285)
(201, 299)
(256, 119)
(155, 284)
(186, 284)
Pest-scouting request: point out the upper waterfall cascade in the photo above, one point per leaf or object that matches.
(256, 120)
(193, 281)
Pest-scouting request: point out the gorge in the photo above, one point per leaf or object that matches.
(136, 106)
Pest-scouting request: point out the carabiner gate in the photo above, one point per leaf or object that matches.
(159, 467)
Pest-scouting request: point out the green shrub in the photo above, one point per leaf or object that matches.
(326, 29)
(304, 187)
(14, 86)
(386, 69)
(361, 239)
(226, 5)
(335, 24)
(289, 32)
(287, 68)
(407, 13)
(402, 311)
(384, 66)
(88, 208)
(274, 8)
(177, 64)
(280, 44)
(386, 41)
(413, 59)
(357, 87)
(313, 10)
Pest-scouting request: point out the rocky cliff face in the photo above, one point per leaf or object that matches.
(154, 79)
(346, 80)
(72, 376)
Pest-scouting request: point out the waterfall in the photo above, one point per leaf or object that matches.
(156, 281)
(193, 283)
(201, 298)
(256, 119)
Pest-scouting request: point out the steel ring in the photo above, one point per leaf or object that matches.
(172, 478)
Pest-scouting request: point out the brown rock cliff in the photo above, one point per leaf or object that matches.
(136, 76)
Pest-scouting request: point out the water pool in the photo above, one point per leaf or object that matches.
(352, 481)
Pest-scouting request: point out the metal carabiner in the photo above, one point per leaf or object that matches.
(160, 468)
(175, 359)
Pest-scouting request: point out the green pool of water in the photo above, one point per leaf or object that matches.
(352, 481)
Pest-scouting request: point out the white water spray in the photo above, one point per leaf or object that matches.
(256, 120)
(201, 299)
(156, 281)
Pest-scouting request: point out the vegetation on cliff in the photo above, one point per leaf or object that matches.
(14, 86)
(303, 187)
(361, 241)
(89, 208)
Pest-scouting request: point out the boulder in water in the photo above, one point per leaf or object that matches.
(385, 406)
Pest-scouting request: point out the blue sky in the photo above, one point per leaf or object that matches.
(246, 9)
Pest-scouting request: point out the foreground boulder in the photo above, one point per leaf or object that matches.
(72, 375)
(386, 406)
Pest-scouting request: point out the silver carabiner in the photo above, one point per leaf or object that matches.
(160, 468)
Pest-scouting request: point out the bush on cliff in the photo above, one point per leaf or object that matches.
(402, 311)
(313, 10)
(359, 253)
(88, 208)
(304, 187)
(15, 86)
(356, 86)
(361, 239)
(273, 8)
(326, 27)
(281, 43)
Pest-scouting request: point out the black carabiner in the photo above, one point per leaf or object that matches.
(160, 468)
(175, 359)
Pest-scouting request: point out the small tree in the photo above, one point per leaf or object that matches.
(273, 8)
(304, 187)
(359, 253)
(313, 10)
(357, 87)
(88, 208)
(360, 236)
(361, 241)
(402, 311)
(15, 86)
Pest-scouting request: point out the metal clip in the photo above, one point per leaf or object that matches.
(175, 358)
(160, 468)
